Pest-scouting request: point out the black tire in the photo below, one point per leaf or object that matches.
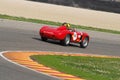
(43, 38)
(66, 40)
(84, 43)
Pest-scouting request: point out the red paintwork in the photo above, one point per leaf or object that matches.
(60, 33)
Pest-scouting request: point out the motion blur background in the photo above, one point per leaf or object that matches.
(103, 5)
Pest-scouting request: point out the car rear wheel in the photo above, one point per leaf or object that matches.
(66, 41)
(84, 43)
(43, 38)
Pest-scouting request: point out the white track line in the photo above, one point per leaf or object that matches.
(3, 52)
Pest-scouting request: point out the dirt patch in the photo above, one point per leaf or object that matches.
(56, 13)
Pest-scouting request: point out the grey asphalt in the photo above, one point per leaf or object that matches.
(24, 36)
(10, 71)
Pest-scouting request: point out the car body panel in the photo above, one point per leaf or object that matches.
(59, 33)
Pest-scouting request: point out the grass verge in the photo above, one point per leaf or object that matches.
(89, 68)
(56, 23)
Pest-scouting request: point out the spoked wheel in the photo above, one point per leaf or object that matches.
(43, 38)
(66, 41)
(84, 43)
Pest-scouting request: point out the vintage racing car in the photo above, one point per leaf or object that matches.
(64, 35)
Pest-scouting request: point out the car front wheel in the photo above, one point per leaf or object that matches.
(66, 41)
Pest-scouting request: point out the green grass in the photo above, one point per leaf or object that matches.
(89, 68)
(56, 23)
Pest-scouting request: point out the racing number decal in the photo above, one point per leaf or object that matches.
(74, 36)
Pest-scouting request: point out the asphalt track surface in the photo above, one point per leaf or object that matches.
(24, 36)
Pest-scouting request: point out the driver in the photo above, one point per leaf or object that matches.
(67, 25)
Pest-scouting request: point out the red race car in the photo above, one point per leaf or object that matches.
(64, 35)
